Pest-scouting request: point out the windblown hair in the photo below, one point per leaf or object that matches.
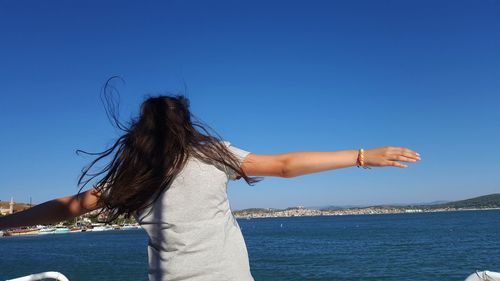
(152, 150)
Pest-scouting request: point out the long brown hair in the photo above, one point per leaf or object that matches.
(152, 150)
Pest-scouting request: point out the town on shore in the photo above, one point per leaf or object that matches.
(487, 202)
(300, 211)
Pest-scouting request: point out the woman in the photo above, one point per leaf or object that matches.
(173, 178)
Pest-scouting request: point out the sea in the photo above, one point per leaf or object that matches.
(419, 246)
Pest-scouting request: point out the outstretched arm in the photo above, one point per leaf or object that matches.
(53, 211)
(294, 164)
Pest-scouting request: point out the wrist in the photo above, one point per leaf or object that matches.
(355, 157)
(361, 159)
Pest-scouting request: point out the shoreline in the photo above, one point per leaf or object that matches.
(58, 230)
(288, 213)
(303, 212)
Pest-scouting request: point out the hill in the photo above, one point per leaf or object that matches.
(486, 201)
(481, 202)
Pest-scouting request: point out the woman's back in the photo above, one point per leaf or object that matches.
(192, 232)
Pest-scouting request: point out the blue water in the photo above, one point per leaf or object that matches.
(433, 246)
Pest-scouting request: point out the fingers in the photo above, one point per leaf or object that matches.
(397, 164)
(395, 155)
(404, 154)
(410, 153)
(405, 159)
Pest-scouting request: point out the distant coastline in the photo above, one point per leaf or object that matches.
(304, 212)
(487, 202)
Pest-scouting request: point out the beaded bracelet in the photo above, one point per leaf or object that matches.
(360, 161)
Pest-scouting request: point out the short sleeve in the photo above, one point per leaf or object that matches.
(240, 155)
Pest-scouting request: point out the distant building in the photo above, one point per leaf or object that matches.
(10, 210)
(11, 205)
(4, 211)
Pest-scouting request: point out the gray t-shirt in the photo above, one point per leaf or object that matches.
(192, 232)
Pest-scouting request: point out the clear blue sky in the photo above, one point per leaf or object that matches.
(269, 76)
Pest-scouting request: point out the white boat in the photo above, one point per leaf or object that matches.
(101, 228)
(484, 276)
(61, 230)
(130, 226)
(46, 230)
(41, 276)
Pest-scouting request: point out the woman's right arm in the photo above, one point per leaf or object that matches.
(53, 211)
(294, 164)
